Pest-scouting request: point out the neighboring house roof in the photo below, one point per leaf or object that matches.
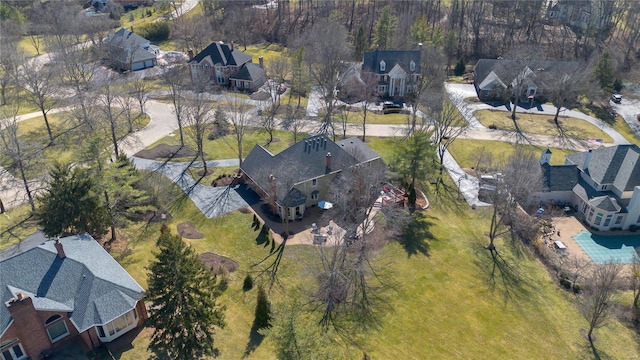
(501, 71)
(222, 54)
(617, 165)
(358, 149)
(491, 82)
(88, 283)
(303, 161)
(125, 37)
(131, 48)
(559, 177)
(371, 60)
(249, 72)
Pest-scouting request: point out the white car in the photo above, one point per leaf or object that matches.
(616, 98)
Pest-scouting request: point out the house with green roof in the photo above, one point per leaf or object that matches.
(603, 185)
(301, 176)
(64, 290)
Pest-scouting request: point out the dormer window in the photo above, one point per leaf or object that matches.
(383, 65)
(412, 66)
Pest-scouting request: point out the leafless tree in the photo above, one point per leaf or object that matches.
(565, 87)
(40, 85)
(598, 294)
(423, 85)
(111, 113)
(240, 117)
(634, 283)
(9, 62)
(448, 121)
(15, 148)
(139, 89)
(175, 79)
(362, 88)
(278, 71)
(198, 122)
(325, 52)
(190, 32)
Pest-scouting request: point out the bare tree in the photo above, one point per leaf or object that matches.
(634, 282)
(175, 79)
(41, 88)
(362, 88)
(189, 32)
(325, 52)
(111, 114)
(422, 86)
(139, 88)
(278, 71)
(15, 148)
(598, 294)
(240, 117)
(448, 123)
(565, 86)
(9, 62)
(198, 120)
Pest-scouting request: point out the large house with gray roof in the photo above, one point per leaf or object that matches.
(300, 176)
(129, 51)
(398, 71)
(603, 185)
(63, 290)
(224, 65)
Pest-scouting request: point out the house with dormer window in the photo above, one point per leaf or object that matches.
(398, 71)
(63, 290)
(602, 185)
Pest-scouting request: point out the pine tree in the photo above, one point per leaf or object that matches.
(359, 44)
(71, 204)
(263, 311)
(182, 291)
(604, 71)
(385, 27)
(460, 68)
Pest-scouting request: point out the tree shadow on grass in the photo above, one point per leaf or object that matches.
(503, 275)
(255, 339)
(588, 350)
(416, 236)
(448, 195)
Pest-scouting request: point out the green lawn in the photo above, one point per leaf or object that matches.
(268, 52)
(15, 225)
(443, 302)
(225, 148)
(465, 151)
(541, 124)
(621, 126)
(355, 117)
(27, 47)
(135, 17)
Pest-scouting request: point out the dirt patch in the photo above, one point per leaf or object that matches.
(260, 95)
(188, 231)
(164, 151)
(160, 215)
(202, 174)
(216, 263)
(275, 140)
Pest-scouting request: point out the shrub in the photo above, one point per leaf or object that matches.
(565, 283)
(248, 283)
(617, 85)
(155, 31)
(460, 68)
(263, 310)
(493, 127)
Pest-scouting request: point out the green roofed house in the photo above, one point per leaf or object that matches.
(63, 290)
(603, 185)
(301, 175)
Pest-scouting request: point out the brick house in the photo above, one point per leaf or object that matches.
(304, 171)
(64, 290)
(224, 65)
(398, 71)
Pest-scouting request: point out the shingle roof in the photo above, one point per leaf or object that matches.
(358, 149)
(131, 47)
(506, 71)
(559, 177)
(302, 161)
(371, 60)
(222, 54)
(250, 72)
(88, 283)
(617, 165)
(124, 37)
(605, 203)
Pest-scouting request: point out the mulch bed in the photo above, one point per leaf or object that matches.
(188, 231)
(201, 172)
(259, 95)
(215, 263)
(160, 215)
(164, 151)
(224, 181)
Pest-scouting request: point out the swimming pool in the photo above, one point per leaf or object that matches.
(601, 249)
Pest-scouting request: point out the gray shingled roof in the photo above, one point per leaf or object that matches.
(302, 161)
(250, 72)
(559, 177)
(222, 54)
(507, 70)
(358, 149)
(605, 203)
(124, 37)
(371, 60)
(88, 283)
(616, 165)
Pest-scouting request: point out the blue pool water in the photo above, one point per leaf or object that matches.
(601, 249)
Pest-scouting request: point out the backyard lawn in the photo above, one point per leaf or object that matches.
(374, 118)
(443, 302)
(541, 124)
(466, 151)
(16, 220)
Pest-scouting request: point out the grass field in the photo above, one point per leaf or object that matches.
(16, 224)
(466, 151)
(444, 302)
(269, 52)
(374, 118)
(541, 124)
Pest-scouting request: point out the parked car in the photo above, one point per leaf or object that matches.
(616, 98)
(389, 107)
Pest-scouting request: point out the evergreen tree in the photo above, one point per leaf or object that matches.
(420, 30)
(604, 71)
(385, 28)
(460, 68)
(182, 290)
(263, 310)
(71, 205)
(414, 159)
(360, 44)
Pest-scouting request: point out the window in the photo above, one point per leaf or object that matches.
(383, 65)
(246, 84)
(598, 219)
(590, 214)
(122, 322)
(314, 196)
(238, 83)
(12, 351)
(607, 221)
(56, 328)
(604, 187)
(618, 220)
(205, 67)
(314, 182)
(382, 88)
(584, 207)
(412, 66)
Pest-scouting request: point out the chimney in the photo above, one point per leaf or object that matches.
(60, 250)
(328, 162)
(587, 159)
(20, 296)
(232, 45)
(261, 62)
(190, 52)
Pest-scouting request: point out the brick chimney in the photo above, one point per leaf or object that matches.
(232, 45)
(27, 326)
(190, 53)
(60, 250)
(587, 159)
(328, 162)
(261, 62)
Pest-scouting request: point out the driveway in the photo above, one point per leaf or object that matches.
(629, 109)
